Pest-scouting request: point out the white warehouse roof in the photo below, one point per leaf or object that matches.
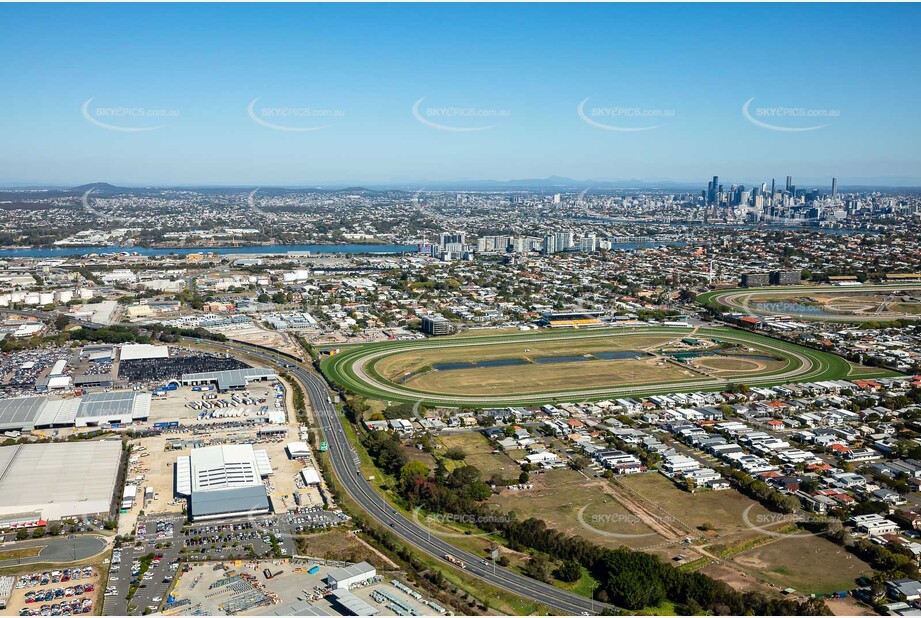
(224, 466)
(298, 449)
(310, 476)
(140, 351)
(60, 479)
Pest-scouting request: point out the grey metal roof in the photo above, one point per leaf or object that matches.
(297, 608)
(231, 378)
(351, 570)
(118, 403)
(58, 412)
(236, 500)
(102, 404)
(353, 604)
(20, 413)
(59, 479)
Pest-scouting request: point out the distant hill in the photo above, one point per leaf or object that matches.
(102, 187)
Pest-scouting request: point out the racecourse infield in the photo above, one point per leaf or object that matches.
(827, 303)
(405, 371)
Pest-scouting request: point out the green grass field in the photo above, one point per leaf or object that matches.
(376, 370)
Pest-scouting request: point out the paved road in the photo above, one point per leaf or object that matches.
(56, 549)
(345, 466)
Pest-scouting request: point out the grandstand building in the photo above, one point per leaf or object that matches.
(571, 319)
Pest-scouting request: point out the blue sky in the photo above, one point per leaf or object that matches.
(511, 78)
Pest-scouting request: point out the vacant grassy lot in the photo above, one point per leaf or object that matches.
(559, 496)
(807, 563)
(340, 544)
(480, 454)
(719, 513)
(17, 554)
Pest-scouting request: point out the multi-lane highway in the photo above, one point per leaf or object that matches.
(345, 466)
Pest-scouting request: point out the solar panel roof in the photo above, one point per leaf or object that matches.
(102, 404)
(21, 412)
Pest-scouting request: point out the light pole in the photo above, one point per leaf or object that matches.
(593, 596)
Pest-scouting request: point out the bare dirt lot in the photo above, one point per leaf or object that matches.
(257, 335)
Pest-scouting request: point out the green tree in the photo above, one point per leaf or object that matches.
(570, 571)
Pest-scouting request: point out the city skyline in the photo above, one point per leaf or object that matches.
(400, 95)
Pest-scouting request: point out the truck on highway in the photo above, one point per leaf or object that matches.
(455, 561)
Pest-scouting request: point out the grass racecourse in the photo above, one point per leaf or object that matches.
(556, 366)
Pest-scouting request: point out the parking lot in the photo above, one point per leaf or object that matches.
(244, 539)
(20, 370)
(150, 566)
(70, 591)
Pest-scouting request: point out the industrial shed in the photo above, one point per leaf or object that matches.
(230, 380)
(143, 351)
(122, 407)
(27, 413)
(224, 481)
(345, 577)
(20, 413)
(58, 480)
(298, 450)
(310, 476)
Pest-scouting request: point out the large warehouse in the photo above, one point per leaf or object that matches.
(224, 481)
(230, 380)
(122, 407)
(143, 351)
(28, 413)
(57, 480)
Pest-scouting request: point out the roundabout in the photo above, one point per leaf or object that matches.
(576, 365)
